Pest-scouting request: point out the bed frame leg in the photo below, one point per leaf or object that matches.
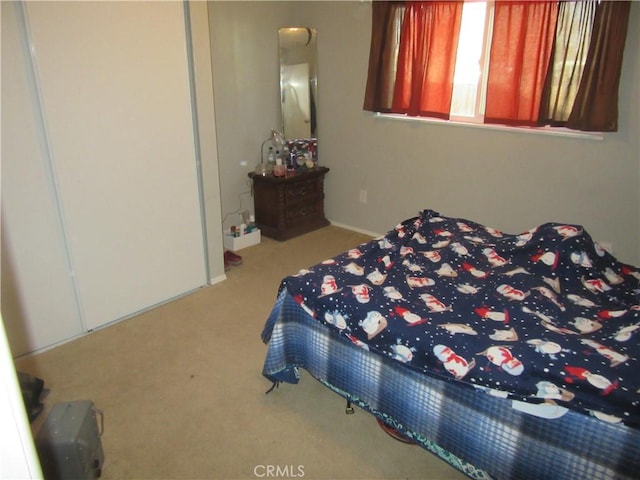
(349, 409)
(274, 386)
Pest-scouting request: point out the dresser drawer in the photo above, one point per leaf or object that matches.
(300, 191)
(302, 212)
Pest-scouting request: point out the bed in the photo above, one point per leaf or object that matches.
(508, 356)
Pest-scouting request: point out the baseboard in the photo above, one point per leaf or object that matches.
(355, 229)
(218, 279)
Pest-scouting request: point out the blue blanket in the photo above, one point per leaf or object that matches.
(542, 316)
(479, 434)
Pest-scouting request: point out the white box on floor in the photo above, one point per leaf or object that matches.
(243, 241)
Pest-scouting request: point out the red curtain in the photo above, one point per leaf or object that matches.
(537, 74)
(427, 57)
(523, 34)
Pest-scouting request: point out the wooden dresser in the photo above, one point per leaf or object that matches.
(286, 207)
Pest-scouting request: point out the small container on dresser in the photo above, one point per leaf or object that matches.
(286, 207)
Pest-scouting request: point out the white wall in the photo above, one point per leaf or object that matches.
(207, 137)
(511, 181)
(18, 457)
(244, 46)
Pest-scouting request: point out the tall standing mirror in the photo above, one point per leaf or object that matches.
(298, 81)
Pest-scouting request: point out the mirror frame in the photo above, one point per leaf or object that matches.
(298, 54)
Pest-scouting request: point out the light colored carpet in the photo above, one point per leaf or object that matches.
(183, 396)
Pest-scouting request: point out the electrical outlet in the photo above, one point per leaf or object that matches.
(363, 196)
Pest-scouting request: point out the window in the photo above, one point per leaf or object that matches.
(469, 85)
(521, 63)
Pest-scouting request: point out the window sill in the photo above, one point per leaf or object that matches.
(553, 131)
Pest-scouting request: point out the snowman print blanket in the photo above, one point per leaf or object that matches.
(544, 316)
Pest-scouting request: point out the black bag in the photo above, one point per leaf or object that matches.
(32, 388)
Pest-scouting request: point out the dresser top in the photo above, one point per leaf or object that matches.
(310, 173)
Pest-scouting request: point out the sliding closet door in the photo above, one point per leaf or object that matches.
(37, 292)
(113, 81)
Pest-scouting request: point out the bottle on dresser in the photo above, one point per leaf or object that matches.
(280, 169)
(271, 159)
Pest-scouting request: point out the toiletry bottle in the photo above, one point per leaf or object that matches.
(271, 159)
(251, 226)
(279, 170)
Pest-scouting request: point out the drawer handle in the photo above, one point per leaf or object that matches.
(300, 192)
(300, 212)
